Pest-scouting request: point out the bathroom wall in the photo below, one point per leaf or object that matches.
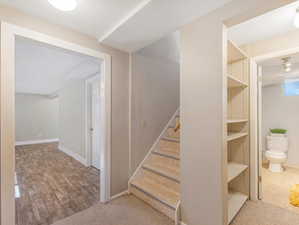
(280, 111)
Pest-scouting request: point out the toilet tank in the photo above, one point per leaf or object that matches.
(279, 143)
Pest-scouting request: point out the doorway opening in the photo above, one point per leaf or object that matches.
(279, 135)
(45, 116)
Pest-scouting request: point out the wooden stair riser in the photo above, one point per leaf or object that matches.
(164, 166)
(164, 209)
(170, 139)
(169, 145)
(173, 186)
(172, 134)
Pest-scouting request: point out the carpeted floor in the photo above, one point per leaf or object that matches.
(260, 213)
(276, 187)
(128, 210)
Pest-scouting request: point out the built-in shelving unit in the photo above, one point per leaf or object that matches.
(235, 201)
(234, 170)
(233, 82)
(230, 121)
(235, 135)
(236, 139)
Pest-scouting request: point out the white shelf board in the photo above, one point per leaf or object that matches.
(234, 170)
(233, 136)
(233, 82)
(235, 53)
(230, 121)
(235, 202)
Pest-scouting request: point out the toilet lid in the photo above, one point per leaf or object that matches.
(275, 154)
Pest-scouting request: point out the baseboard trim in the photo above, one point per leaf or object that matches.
(182, 223)
(126, 192)
(74, 155)
(291, 166)
(19, 143)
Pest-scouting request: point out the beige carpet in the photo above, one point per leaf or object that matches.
(130, 211)
(260, 213)
(126, 210)
(276, 187)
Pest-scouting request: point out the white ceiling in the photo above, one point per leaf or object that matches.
(157, 19)
(273, 72)
(167, 48)
(124, 24)
(274, 23)
(92, 17)
(43, 69)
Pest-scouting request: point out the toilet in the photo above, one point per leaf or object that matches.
(277, 147)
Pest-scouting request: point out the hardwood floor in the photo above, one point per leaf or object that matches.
(51, 186)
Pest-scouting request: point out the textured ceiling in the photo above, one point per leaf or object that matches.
(43, 69)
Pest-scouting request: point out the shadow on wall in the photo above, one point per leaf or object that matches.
(155, 92)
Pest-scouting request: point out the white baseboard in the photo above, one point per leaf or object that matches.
(119, 195)
(291, 166)
(181, 223)
(72, 154)
(18, 143)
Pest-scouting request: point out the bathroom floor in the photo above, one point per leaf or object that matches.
(276, 187)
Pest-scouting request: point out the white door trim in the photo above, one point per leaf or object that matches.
(7, 112)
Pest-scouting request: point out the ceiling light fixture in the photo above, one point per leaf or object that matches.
(286, 63)
(64, 5)
(296, 19)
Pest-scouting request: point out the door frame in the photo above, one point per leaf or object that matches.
(255, 114)
(7, 112)
(88, 145)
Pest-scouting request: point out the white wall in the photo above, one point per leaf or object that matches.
(36, 117)
(280, 111)
(72, 118)
(155, 93)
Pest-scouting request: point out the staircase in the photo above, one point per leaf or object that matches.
(157, 179)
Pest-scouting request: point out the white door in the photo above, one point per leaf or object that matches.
(95, 125)
(260, 144)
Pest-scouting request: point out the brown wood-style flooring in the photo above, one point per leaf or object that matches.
(51, 186)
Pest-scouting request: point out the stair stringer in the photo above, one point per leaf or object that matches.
(152, 149)
(154, 145)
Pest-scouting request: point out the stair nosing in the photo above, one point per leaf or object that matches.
(161, 173)
(157, 152)
(177, 140)
(154, 197)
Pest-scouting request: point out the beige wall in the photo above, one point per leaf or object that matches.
(155, 98)
(120, 74)
(202, 96)
(36, 117)
(72, 117)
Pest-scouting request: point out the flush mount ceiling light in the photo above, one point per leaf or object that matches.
(64, 5)
(296, 19)
(286, 63)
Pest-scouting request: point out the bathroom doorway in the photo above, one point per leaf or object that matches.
(278, 132)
